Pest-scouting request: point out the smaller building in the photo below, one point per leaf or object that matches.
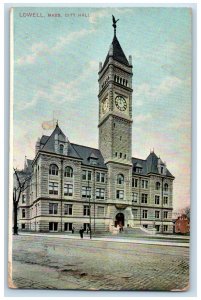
(182, 224)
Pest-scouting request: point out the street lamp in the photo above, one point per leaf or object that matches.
(89, 209)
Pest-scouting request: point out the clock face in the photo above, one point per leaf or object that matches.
(120, 103)
(105, 105)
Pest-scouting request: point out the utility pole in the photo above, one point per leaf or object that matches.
(89, 209)
(61, 193)
(94, 194)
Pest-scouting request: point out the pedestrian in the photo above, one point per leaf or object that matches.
(81, 233)
(73, 230)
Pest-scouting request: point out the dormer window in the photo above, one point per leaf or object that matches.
(61, 149)
(138, 168)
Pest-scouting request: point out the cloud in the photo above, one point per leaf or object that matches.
(62, 91)
(142, 118)
(41, 49)
(166, 86)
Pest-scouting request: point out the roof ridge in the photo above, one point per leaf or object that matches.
(85, 146)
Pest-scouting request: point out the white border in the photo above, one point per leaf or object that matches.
(94, 3)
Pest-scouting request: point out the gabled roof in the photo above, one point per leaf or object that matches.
(149, 165)
(116, 52)
(87, 155)
(86, 152)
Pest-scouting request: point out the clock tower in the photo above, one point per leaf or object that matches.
(115, 105)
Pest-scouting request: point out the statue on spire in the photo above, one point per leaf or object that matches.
(114, 24)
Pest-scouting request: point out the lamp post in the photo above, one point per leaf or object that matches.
(89, 209)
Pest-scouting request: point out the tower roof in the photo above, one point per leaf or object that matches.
(116, 52)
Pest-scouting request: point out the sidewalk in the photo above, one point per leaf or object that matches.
(109, 239)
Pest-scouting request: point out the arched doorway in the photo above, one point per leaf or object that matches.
(119, 220)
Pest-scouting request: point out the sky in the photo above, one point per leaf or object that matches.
(56, 62)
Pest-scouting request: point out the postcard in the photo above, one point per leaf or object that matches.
(100, 148)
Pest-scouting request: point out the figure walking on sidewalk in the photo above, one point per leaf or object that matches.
(81, 233)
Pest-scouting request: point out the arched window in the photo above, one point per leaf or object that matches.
(115, 77)
(123, 81)
(158, 185)
(68, 172)
(165, 187)
(53, 170)
(120, 80)
(120, 179)
(61, 148)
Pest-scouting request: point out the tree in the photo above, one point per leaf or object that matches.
(21, 183)
(188, 211)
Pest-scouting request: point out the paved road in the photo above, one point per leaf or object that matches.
(54, 263)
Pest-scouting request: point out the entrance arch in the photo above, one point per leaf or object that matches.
(119, 220)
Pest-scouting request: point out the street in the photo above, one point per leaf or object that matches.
(55, 263)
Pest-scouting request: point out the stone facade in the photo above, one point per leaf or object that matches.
(74, 186)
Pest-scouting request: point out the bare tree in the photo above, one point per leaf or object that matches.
(188, 212)
(22, 180)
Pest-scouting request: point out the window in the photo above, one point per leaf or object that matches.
(134, 197)
(165, 187)
(68, 189)
(68, 172)
(120, 179)
(145, 226)
(120, 194)
(157, 199)
(86, 211)
(134, 182)
(86, 192)
(157, 227)
(158, 185)
(100, 210)
(53, 170)
(144, 198)
(120, 155)
(138, 170)
(161, 170)
(124, 156)
(100, 193)
(86, 175)
(23, 198)
(53, 226)
(68, 226)
(53, 208)
(157, 214)
(23, 213)
(53, 188)
(116, 154)
(135, 211)
(68, 209)
(61, 148)
(165, 228)
(23, 225)
(144, 184)
(144, 214)
(165, 214)
(100, 177)
(165, 200)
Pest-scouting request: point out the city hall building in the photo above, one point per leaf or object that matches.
(74, 186)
